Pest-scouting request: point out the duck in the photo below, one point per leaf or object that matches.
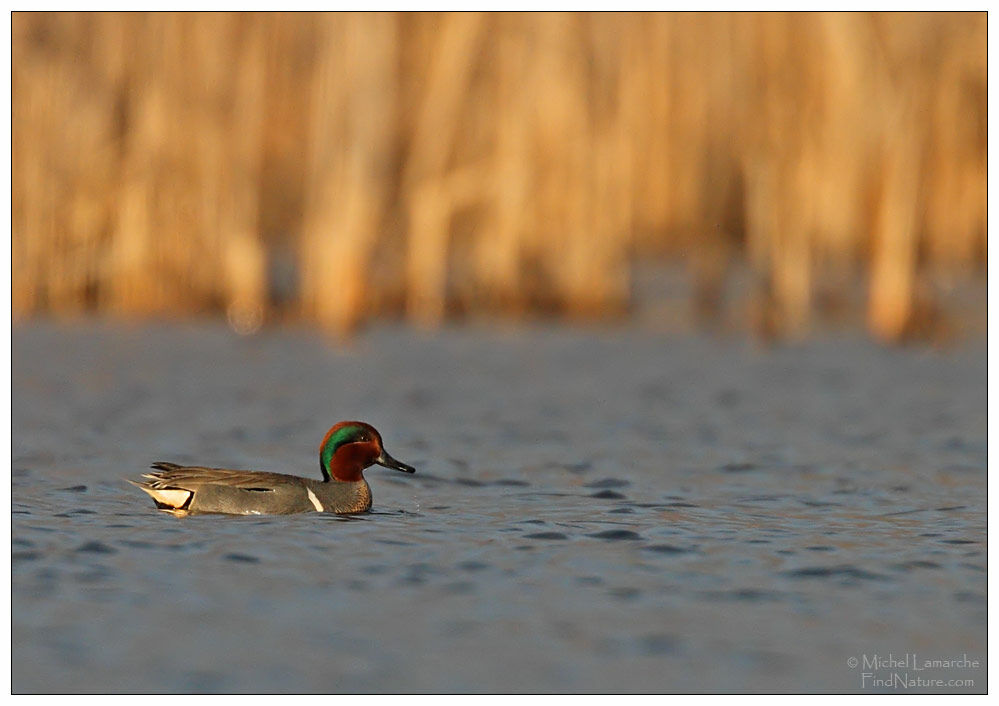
(347, 449)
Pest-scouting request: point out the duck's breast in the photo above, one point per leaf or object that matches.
(343, 498)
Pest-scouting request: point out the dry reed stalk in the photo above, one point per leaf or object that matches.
(28, 210)
(899, 225)
(560, 147)
(245, 261)
(602, 287)
(648, 98)
(507, 183)
(715, 213)
(956, 198)
(895, 234)
(579, 244)
(842, 45)
(352, 141)
(431, 194)
(61, 167)
(290, 42)
(778, 223)
(131, 277)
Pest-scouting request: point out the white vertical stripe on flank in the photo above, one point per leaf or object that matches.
(315, 501)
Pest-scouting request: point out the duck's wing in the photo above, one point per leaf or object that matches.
(171, 475)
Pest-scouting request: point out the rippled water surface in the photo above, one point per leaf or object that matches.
(594, 510)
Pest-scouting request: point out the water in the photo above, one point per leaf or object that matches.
(594, 510)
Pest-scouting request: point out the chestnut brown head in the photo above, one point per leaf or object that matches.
(350, 447)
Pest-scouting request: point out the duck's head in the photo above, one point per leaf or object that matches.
(350, 447)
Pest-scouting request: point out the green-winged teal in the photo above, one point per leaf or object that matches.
(347, 449)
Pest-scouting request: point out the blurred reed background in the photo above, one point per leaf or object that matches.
(345, 166)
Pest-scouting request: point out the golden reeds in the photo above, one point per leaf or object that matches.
(435, 163)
